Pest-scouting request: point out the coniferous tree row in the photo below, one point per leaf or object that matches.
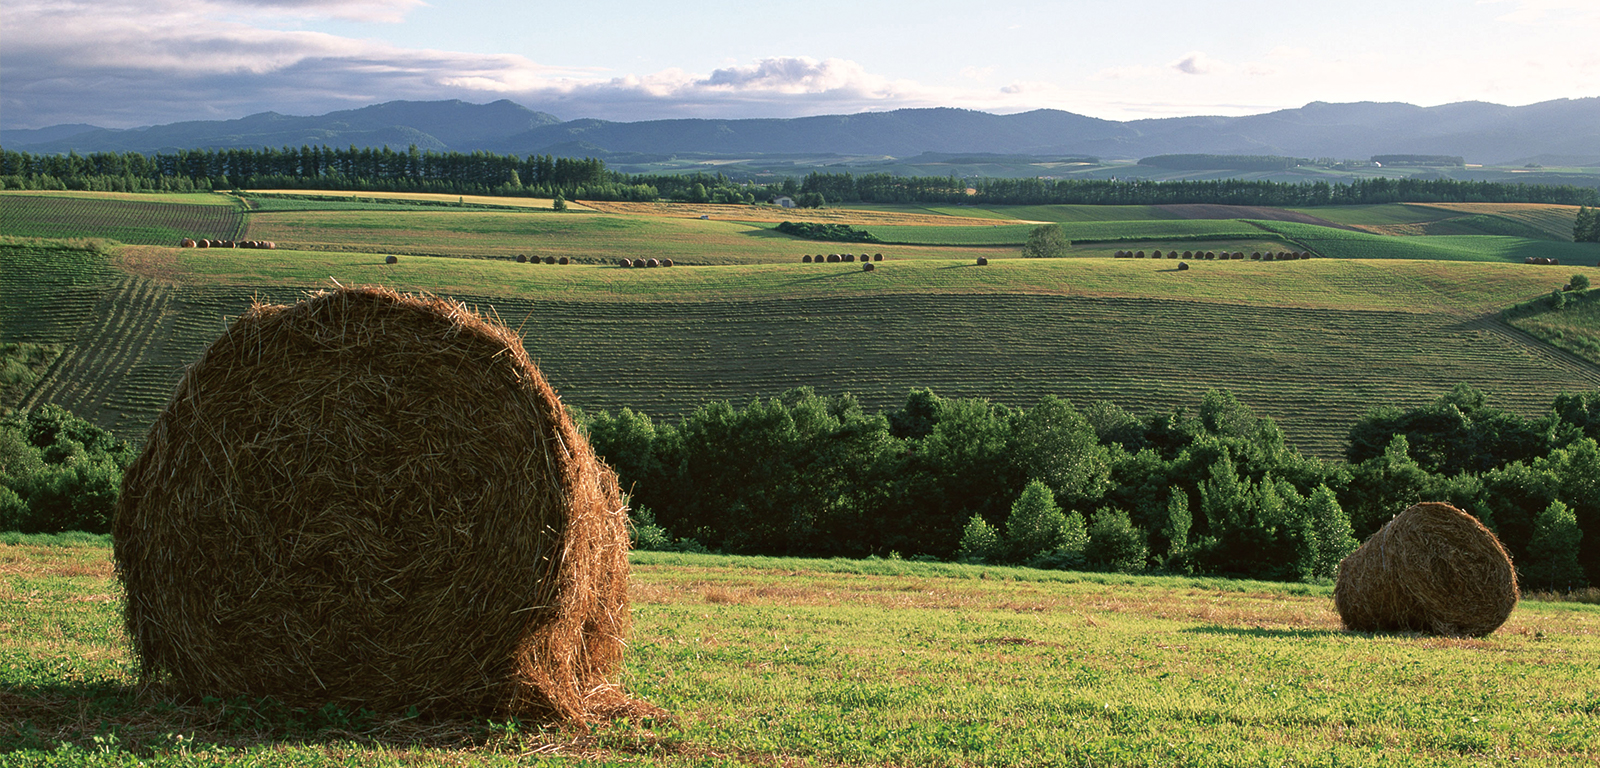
(487, 173)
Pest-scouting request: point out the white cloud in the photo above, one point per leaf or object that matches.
(1538, 11)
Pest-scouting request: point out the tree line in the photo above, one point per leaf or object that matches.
(486, 173)
(1212, 489)
(1207, 490)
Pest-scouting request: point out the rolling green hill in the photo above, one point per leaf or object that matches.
(1311, 343)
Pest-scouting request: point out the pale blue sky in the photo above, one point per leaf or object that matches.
(124, 63)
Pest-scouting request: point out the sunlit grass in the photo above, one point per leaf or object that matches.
(779, 661)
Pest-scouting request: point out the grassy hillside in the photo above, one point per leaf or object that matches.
(1311, 343)
(1346, 244)
(764, 661)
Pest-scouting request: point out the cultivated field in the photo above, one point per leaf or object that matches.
(764, 661)
(428, 197)
(1311, 343)
(144, 220)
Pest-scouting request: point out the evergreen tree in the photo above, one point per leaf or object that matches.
(1551, 561)
(1036, 523)
(1331, 539)
(1176, 528)
(980, 542)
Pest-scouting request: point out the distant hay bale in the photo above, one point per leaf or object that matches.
(1139, 255)
(624, 263)
(563, 261)
(522, 258)
(833, 258)
(549, 259)
(850, 257)
(1156, 255)
(391, 259)
(1433, 568)
(186, 243)
(375, 500)
(877, 257)
(1555, 262)
(1188, 254)
(806, 259)
(1183, 266)
(269, 245)
(652, 263)
(1211, 254)
(867, 267)
(666, 262)
(983, 262)
(1256, 255)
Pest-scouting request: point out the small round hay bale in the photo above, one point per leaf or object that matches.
(563, 261)
(983, 262)
(375, 500)
(1156, 255)
(391, 259)
(666, 262)
(624, 263)
(549, 259)
(1433, 568)
(522, 258)
(186, 243)
(850, 257)
(806, 259)
(270, 245)
(1138, 255)
(833, 258)
(877, 257)
(652, 263)
(1183, 266)
(867, 266)
(1188, 254)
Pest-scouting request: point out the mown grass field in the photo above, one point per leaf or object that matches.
(158, 219)
(1311, 343)
(1346, 244)
(763, 661)
(544, 203)
(1575, 329)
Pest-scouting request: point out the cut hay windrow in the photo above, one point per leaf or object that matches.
(375, 500)
(1433, 568)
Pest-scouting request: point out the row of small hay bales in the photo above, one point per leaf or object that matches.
(643, 263)
(1213, 255)
(836, 258)
(190, 242)
(525, 259)
(1541, 260)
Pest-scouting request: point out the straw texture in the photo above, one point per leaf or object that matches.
(1433, 568)
(375, 500)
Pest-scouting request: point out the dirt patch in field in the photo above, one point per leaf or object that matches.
(152, 261)
(774, 215)
(1209, 211)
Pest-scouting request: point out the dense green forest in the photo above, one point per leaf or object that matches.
(484, 173)
(1212, 490)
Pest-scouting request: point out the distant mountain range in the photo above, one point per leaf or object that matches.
(1562, 132)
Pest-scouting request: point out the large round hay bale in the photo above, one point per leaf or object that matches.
(983, 262)
(391, 259)
(375, 500)
(867, 267)
(666, 262)
(522, 258)
(1433, 568)
(806, 259)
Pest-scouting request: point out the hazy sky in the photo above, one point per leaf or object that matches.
(126, 63)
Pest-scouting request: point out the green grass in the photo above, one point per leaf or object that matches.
(127, 219)
(1345, 244)
(780, 661)
(1177, 230)
(1575, 328)
(1311, 343)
